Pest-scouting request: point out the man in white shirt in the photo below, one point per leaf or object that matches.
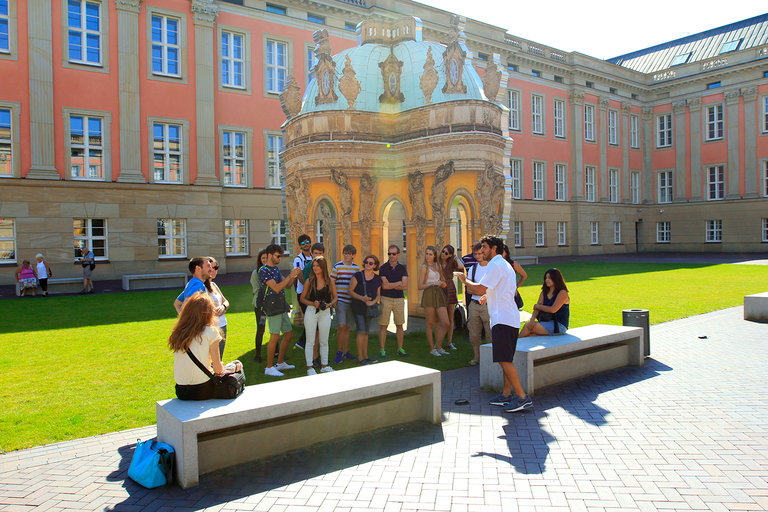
(300, 261)
(477, 316)
(499, 285)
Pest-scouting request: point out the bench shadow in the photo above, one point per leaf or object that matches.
(256, 477)
(527, 438)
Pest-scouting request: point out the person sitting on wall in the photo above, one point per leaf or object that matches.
(552, 311)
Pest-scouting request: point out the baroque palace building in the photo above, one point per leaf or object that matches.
(151, 130)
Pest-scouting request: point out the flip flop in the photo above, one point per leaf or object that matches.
(473, 363)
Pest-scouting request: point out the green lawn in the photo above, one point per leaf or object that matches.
(84, 365)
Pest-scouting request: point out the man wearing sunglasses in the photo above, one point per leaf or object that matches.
(200, 268)
(300, 261)
(394, 278)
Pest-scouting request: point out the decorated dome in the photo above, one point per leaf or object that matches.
(391, 70)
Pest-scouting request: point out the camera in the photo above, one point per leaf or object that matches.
(322, 306)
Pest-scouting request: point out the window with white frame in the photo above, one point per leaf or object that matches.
(589, 123)
(634, 137)
(714, 231)
(561, 240)
(277, 66)
(593, 233)
(236, 237)
(617, 233)
(91, 233)
(665, 190)
(405, 236)
(232, 59)
(514, 110)
(664, 131)
(634, 187)
(86, 147)
(84, 32)
(311, 62)
(6, 143)
(233, 150)
(765, 178)
(538, 229)
(7, 240)
(167, 153)
(765, 234)
(560, 182)
(517, 180)
(538, 181)
(765, 114)
(517, 231)
(613, 127)
(559, 117)
(589, 183)
(278, 231)
(537, 114)
(319, 231)
(716, 182)
(715, 124)
(274, 147)
(613, 185)
(663, 232)
(5, 30)
(166, 45)
(171, 238)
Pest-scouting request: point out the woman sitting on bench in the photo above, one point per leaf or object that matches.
(552, 311)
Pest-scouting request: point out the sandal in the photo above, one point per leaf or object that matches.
(473, 362)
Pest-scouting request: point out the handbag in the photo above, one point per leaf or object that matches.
(519, 301)
(274, 303)
(152, 464)
(226, 386)
(50, 272)
(370, 311)
(545, 317)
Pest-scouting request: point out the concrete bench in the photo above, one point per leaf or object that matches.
(65, 284)
(545, 360)
(276, 417)
(146, 281)
(527, 260)
(756, 307)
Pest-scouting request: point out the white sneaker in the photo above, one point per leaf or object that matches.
(327, 369)
(434, 352)
(452, 346)
(442, 351)
(284, 366)
(311, 371)
(272, 372)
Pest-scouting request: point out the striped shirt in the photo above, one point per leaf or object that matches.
(342, 274)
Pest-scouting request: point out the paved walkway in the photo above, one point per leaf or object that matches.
(687, 431)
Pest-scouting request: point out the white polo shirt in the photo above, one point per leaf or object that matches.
(501, 282)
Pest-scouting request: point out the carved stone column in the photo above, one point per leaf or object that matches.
(750, 142)
(130, 114)
(204, 14)
(694, 108)
(681, 161)
(734, 163)
(602, 106)
(648, 142)
(625, 110)
(576, 102)
(42, 141)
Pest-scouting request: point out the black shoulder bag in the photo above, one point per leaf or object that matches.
(226, 386)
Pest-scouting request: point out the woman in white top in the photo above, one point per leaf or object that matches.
(433, 299)
(42, 272)
(220, 302)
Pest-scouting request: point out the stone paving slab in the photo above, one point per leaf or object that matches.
(687, 431)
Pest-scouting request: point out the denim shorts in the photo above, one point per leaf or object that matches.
(550, 327)
(344, 313)
(362, 322)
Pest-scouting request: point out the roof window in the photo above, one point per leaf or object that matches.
(730, 46)
(681, 59)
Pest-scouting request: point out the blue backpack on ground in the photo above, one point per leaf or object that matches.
(152, 464)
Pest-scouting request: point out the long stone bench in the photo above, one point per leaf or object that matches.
(545, 360)
(276, 417)
(527, 260)
(58, 285)
(756, 307)
(146, 281)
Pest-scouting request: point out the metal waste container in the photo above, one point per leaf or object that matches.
(639, 318)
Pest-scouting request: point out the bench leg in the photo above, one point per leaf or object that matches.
(171, 431)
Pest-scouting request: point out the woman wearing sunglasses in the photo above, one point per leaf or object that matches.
(220, 303)
(365, 290)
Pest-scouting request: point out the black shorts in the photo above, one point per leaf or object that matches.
(504, 343)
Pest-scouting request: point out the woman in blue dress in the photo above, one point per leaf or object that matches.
(552, 311)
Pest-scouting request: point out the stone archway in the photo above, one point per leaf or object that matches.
(394, 216)
(462, 215)
(324, 222)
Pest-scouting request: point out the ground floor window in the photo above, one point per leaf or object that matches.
(617, 232)
(663, 232)
(171, 238)
(714, 231)
(765, 230)
(8, 240)
(91, 233)
(518, 232)
(236, 237)
(538, 229)
(278, 229)
(561, 233)
(593, 233)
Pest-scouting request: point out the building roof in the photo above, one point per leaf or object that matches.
(706, 45)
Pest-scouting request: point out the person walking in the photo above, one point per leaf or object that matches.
(87, 260)
(319, 295)
(42, 272)
(365, 291)
(499, 286)
(394, 281)
(433, 300)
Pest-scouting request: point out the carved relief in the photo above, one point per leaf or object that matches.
(437, 199)
(602, 102)
(298, 202)
(576, 97)
(749, 93)
(492, 81)
(290, 98)
(324, 70)
(732, 97)
(391, 69)
(326, 217)
(347, 204)
(647, 113)
(694, 104)
(626, 107)
(429, 78)
(349, 86)
(679, 107)
(453, 58)
(322, 44)
(369, 194)
(490, 198)
(418, 211)
(204, 12)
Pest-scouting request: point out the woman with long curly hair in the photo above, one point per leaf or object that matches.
(319, 295)
(431, 280)
(552, 311)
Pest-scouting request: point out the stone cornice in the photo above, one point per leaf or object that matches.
(647, 113)
(204, 12)
(679, 107)
(576, 97)
(602, 102)
(626, 107)
(707, 76)
(694, 104)
(732, 97)
(750, 93)
(133, 6)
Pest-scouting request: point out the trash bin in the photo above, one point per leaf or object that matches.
(639, 318)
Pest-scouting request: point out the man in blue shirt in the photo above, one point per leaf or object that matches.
(394, 278)
(200, 268)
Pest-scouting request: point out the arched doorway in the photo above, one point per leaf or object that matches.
(460, 228)
(324, 223)
(393, 217)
